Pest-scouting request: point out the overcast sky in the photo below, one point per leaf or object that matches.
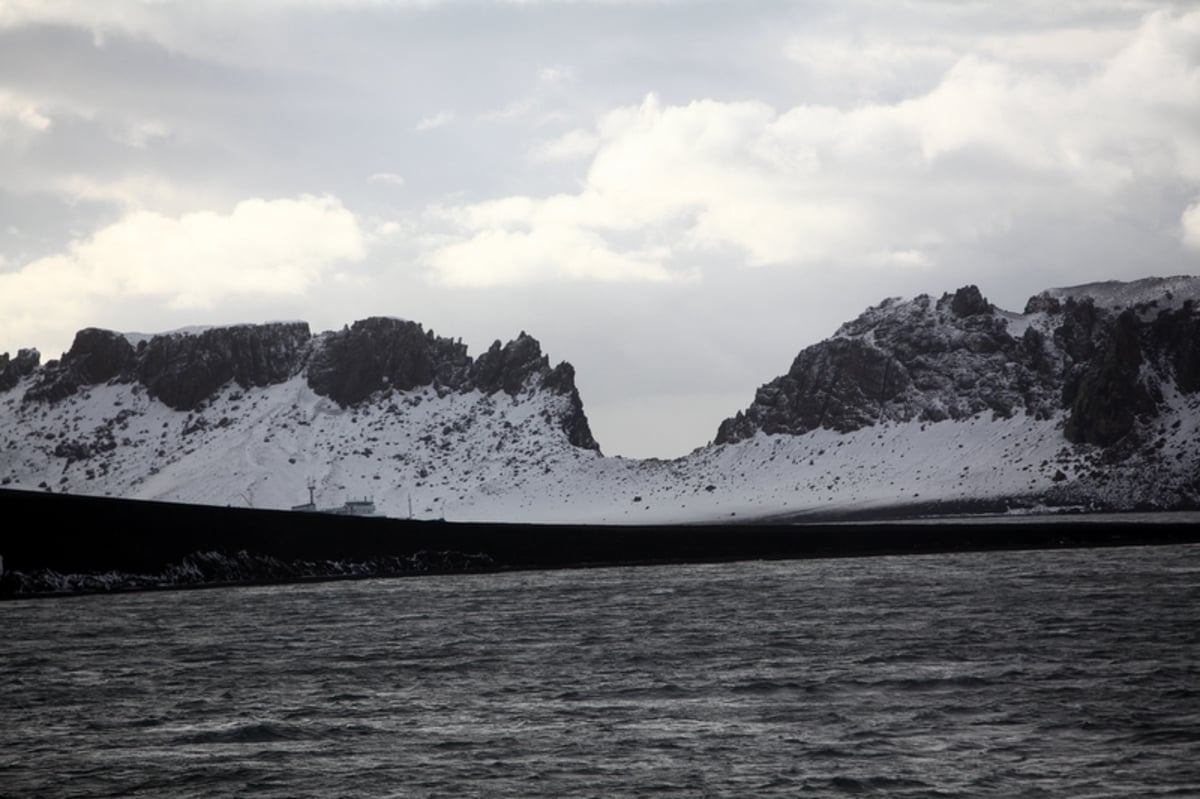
(676, 197)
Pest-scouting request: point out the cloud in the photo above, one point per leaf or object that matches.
(438, 120)
(27, 114)
(262, 248)
(498, 256)
(131, 192)
(1190, 226)
(387, 178)
(991, 147)
(569, 147)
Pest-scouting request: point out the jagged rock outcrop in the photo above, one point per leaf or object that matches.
(506, 368)
(561, 379)
(933, 360)
(180, 369)
(1110, 393)
(510, 368)
(380, 353)
(96, 356)
(1176, 335)
(377, 353)
(1103, 364)
(13, 369)
(183, 369)
(843, 386)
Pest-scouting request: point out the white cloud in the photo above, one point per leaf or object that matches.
(1057, 46)
(261, 248)
(136, 191)
(438, 120)
(877, 185)
(23, 111)
(1190, 226)
(500, 256)
(569, 147)
(140, 134)
(864, 69)
(388, 178)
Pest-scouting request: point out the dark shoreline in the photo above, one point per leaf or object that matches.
(189, 546)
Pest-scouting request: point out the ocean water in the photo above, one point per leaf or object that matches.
(1053, 673)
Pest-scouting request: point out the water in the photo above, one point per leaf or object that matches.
(1057, 674)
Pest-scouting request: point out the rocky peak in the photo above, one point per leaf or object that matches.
(561, 379)
(381, 352)
(508, 367)
(968, 301)
(902, 360)
(520, 364)
(377, 354)
(1081, 352)
(96, 356)
(182, 369)
(13, 369)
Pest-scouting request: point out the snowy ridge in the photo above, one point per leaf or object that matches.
(480, 458)
(1163, 292)
(918, 403)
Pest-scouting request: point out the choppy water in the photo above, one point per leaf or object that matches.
(1057, 674)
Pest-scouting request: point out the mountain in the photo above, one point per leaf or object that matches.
(250, 414)
(1096, 386)
(1089, 398)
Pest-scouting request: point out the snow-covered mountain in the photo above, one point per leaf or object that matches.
(1090, 397)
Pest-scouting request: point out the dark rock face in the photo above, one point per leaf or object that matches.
(348, 366)
(96, 356)
(561, 379)
(1109, 394)
(969, 301)
(13, 369)
(925, 359)
(182, 370)
(377, 353)
(1176, 334)
(507, 368)
(842, 386)
(955, 357)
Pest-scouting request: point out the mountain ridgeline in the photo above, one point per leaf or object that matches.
(1106, 367)
(182, 370)
(1087, 399)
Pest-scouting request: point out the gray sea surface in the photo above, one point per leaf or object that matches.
(1070, 673)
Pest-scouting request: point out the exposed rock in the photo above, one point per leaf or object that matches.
(377, 353)
(1104, 365)
(1176, 335)
(348, 366)
(508, 368)
(96, 356)
(1109, 393)
(1042, 303)
(561, 379)
(906, 360)
(842, 385)
(969, 301)
(13, 369)
(183, 369)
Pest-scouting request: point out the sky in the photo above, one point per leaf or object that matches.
(676, 197)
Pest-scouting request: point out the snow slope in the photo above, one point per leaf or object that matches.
(470, 455)
(475, 457)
